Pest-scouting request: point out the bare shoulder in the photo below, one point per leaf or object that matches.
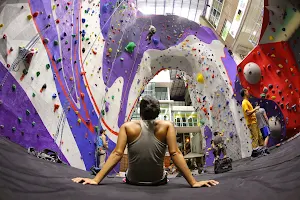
(164, 123)
(131, 123)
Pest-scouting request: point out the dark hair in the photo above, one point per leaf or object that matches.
(216, 133)
(102, 131)
(149, 108)
(243, 91)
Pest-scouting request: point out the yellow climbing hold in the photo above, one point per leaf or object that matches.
(273, 97)
(53, 7)
(271, 37)
(273, 55)
(280, 65)
(29, 17)
(291, 69)
(200, 78)
(76, 112)
(110, 50)
(1, 25)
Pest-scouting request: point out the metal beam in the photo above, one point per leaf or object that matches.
(173, 7)
(164, 7)
(155, 6)
(196, 11)
(189, 8)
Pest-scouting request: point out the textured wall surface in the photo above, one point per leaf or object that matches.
(83, 73)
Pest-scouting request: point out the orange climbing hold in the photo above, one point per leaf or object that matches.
(94, 52)
(56, 106)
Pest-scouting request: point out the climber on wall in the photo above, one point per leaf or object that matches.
(263, 124)
(102, 146)
(147, 141)
(218, 146)
(251, 122)
(152, 31)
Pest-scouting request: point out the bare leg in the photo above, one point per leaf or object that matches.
(266, 141)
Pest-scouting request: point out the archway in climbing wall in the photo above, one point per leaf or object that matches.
(73, 68)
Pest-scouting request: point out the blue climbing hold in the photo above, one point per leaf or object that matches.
(155, 41)
(83, 20)
(105, 8)
(54, 96)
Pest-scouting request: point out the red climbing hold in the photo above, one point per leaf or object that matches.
(169, 37)
(56, 106)
(35, 14)
(4, 37)
(82, 73)
(57, 21)
(82, 95)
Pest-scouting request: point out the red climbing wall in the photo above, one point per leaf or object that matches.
(280, 71)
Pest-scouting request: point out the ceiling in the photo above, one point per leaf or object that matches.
(191, 9)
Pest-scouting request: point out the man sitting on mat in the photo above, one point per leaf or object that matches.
(147, 142)
(218, 146)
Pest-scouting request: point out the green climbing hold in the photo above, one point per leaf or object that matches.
(263, 95)
(14, 87)
(27, 112)
(202, 122)
(66, 42)
(130, 47)
(87, 39)
(67, 7)
(73, 35)
(102, 112)
(55, 42)
(86, 25)
(97, 129)
(25, 71)
(113, 97)
(59, 60)
(48, 66)
(33, 94)
(19, 119)
(38, 74)
(33, 123)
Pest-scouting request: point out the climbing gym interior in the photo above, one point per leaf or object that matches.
(72, 68)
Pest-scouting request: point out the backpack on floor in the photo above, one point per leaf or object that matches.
(223, 165)
(46, 154)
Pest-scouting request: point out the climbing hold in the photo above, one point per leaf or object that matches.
(35, 14)
(271, 37)
(45, 41)
(265, 90)
(19, 120)
(43, 88)
(27, 112)
(33, 94)
(54, 96)
(273, 97)
(33, 123)
(122, 59)
(79, 121)
(82, 95)
(38, 74)
(263, 95)
(55, 42)
(83, 20)
(1, 25)
(110, 50)
(14, 87)
(57, 21)
(48, 66)
(280, 65)
(113, 97)
(130, 47)
(252, 73)
(56, 106)
(13, 129)
(76, 112)
(200, 78)
(29, 17)
(2, 126)
(94, 52)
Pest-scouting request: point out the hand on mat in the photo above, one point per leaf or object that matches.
(205, 183)
(85, 181)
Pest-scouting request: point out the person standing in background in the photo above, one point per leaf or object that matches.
(251, 121)
(263, 125)
(102, 146)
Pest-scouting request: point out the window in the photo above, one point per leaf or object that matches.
(216, 12)
(161, 93)
(257, 24)
(183, 119)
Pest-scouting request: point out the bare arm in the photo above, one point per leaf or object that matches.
(104, 141)
(115, 156)
(111, 162)
(266, 117)
(250, 112)
(177, 156)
